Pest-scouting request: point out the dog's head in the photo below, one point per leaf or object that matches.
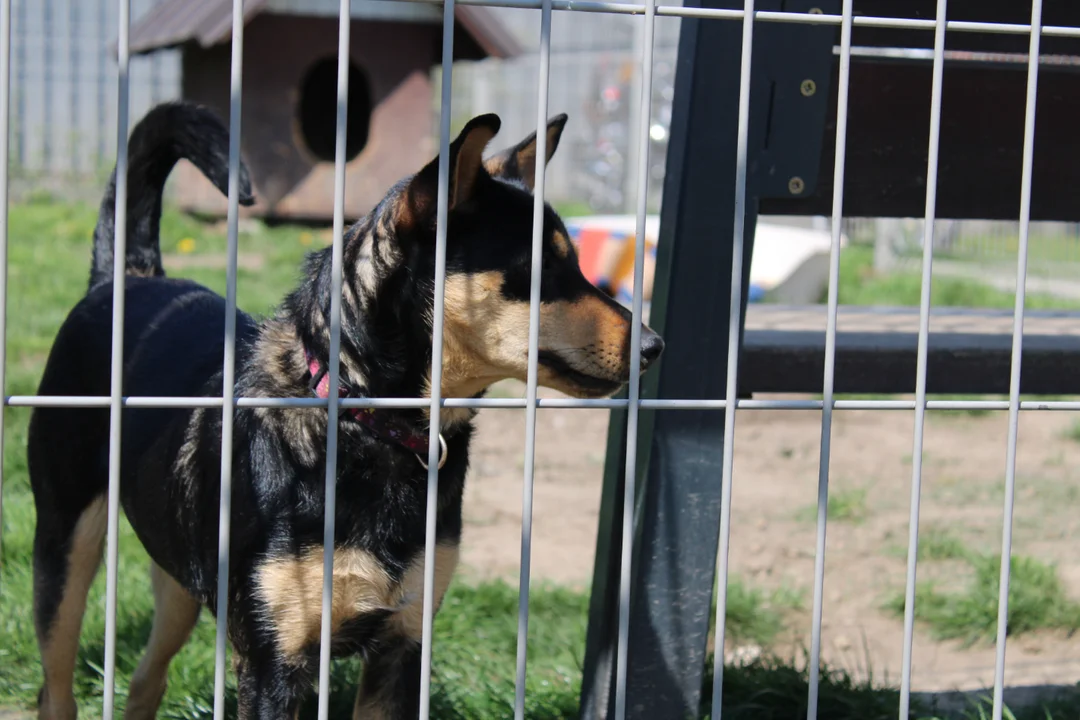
(584, 343)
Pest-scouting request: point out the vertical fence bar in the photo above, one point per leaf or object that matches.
(731, 391)
(634, 390)
(73, 85)
(117, 370)
(534, 356)
(48, 73)
(228, 368)
(443, 210)
(102, 78)
(920, 372)
(333, 361)
(5, 127)
(20, 95)
(830, 357)
(1017, 347)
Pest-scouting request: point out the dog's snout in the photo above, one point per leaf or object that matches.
(651, 347)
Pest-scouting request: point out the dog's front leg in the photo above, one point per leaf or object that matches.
(390, 685)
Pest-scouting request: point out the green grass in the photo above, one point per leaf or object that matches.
(935, 544)
(572, 208)
(940, 544)
(754, 615)
(1037, 601)
(776, 689)
(846, 506)
(1073, 433)
(1044, 249)
(473, 657)
(1060, 706)
(860, 285)
(49, 260)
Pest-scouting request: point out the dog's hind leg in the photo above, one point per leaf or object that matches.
(269, 688)
(175, 614)
(66, 558)
(390, 684)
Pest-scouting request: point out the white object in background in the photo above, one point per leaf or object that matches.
(791, 263)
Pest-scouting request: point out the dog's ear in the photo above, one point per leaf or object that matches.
(519, 162)
(466, 169)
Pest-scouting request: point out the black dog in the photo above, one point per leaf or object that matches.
(173, 345)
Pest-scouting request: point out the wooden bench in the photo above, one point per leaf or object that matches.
(969, 350)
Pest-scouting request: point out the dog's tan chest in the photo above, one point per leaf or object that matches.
(290, 588)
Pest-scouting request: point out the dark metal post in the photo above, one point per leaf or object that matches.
(677, 521)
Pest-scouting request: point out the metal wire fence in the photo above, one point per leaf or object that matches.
(649, 12)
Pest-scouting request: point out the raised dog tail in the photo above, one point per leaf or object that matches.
(166, 134)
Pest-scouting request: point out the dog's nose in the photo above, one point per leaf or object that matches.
(651, 347)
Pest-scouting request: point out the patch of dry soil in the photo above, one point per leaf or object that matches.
(775, 483)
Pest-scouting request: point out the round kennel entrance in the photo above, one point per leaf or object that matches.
(316, 115)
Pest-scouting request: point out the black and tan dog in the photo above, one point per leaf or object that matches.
(173, 345)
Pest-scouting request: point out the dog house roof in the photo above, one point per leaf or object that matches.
(209, 22)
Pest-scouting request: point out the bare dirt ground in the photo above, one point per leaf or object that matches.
(773, 535)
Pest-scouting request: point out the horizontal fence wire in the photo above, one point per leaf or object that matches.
(811, 18)
(548, 403)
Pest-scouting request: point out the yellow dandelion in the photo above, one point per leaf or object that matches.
(305, 238)
(186, 245)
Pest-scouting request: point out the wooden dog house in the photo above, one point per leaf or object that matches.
(290, 91)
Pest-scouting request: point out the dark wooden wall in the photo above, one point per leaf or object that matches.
(278, 52)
